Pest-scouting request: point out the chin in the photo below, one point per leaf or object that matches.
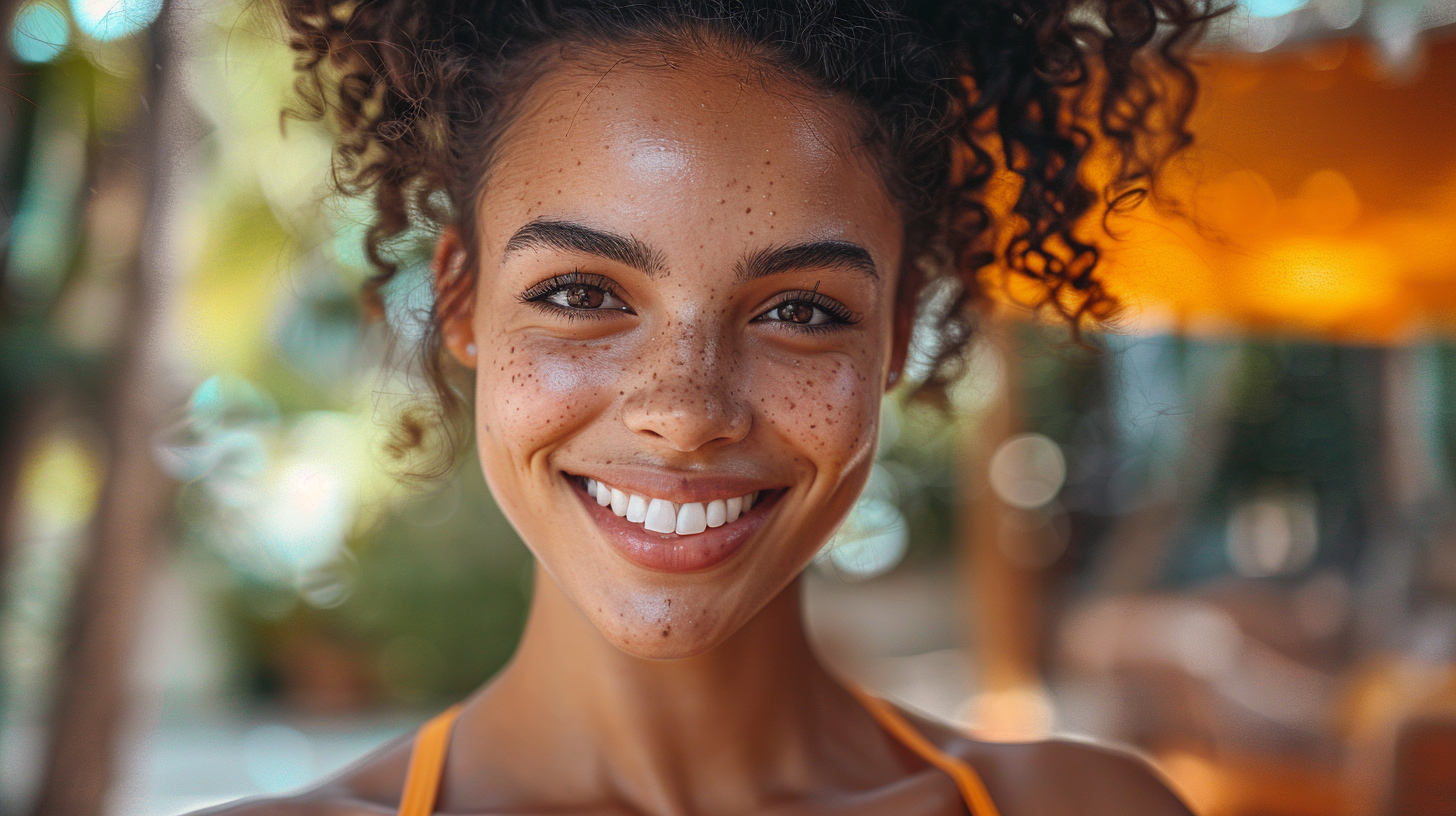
(663, 626)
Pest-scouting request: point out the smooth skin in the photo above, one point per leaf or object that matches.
(673, 360)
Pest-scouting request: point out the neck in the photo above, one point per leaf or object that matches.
(754, 718)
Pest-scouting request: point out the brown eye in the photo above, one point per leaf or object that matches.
(583, 297)
(795, 312)
(809, 311)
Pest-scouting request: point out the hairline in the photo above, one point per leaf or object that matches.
(691, 40)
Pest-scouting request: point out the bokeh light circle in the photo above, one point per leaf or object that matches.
(277, 758)
(1274, 8)
(40, 34)
(107, 20)
(1028, 470)
(872, 541)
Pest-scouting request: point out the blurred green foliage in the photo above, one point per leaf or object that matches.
(435, 597)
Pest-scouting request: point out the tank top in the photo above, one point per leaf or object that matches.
(427, 759)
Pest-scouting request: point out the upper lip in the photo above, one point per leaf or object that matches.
(677, 486)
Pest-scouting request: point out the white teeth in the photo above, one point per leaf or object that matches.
(661, 517)
(732, 508)
(636, 509)
(692, 518)
(717, 513)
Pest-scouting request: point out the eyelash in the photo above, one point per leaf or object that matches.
(839, 315)
(537, 295)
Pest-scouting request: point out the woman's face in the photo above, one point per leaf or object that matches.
(684, 306)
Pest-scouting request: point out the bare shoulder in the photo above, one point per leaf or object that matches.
(1089, 779)
(1059, 776)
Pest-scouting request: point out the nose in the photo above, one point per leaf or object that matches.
(689, 393)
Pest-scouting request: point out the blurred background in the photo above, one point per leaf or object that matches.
(1224, 535)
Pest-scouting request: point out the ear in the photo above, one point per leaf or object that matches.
(454, 297)
(907, 296)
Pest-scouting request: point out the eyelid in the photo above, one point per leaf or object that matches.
(842, 315)
(538, 296)
(575, 277)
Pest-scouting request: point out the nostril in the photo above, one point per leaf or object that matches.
(683, 416)
(651, 433)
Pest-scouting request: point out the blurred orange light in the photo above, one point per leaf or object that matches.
(1319, 200)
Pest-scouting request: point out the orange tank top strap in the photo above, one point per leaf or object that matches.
(427, 759)
(427, 764)
(973, 791)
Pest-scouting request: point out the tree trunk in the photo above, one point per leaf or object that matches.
(90, 707)
(1004, 597)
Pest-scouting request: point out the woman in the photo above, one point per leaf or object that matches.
(680, 245)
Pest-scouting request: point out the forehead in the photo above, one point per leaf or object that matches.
(637, 138)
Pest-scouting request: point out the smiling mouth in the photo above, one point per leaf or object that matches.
(667, 536)
(663, 516)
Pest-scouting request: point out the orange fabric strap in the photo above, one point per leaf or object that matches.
(427, 759)
(966, 778)
(427, 763)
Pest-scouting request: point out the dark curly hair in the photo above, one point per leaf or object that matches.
(954, 96)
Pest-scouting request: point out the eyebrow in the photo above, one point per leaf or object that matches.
(812, 255)
(569, 236)
(572, 237)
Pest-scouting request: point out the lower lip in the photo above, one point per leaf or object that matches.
(668, 552)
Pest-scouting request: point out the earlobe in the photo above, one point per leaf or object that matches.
(453, 302)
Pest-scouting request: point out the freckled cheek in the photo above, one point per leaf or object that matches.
(538, 397)
(830, 408)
